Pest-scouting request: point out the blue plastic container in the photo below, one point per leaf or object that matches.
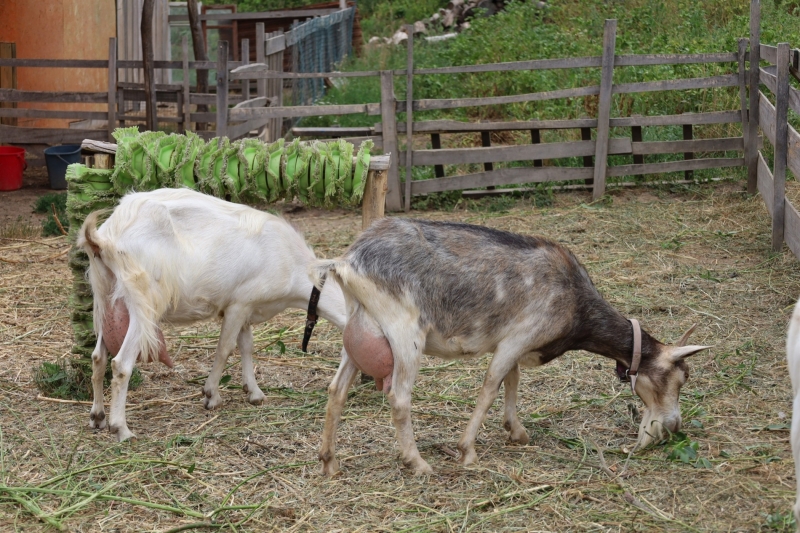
(57, 159)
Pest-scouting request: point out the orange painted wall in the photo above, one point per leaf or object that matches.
(59, 29)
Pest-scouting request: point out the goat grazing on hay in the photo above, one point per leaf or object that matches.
(180, 256)
(460, 291)
(793, 358)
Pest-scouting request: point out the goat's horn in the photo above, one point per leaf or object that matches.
(682, 340)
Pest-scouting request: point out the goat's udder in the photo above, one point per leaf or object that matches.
(116, 321)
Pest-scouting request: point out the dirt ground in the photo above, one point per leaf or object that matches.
(17, 205)
(670, 256)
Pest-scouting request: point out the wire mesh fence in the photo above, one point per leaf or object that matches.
(318, 45)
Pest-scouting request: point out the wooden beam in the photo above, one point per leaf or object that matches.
(112, 85)
(374, 201)
(675, 166)
(148, 68)
(604, 109)
(523, 152)
(222, 89)
(536, 138)
(436, 144)
(20, 135)
(261, 84)
(781, 139)
(409, 113)
(334, 132)
(260, 15)
(245, 61)
(187, 104)
(710, 82)
(688, 146)
(753, 119)
(388, 106)
(636, 137)
(742, 73)
(501, 176)
(15, 95)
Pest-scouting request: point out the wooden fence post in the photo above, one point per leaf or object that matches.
(246, 61)
(409, 112)
(372, 206)
(752, 121)
(604, 108)
(436, 144)
(187, 106)
(781, 145)
(389, 132)
(588, 161)
(112, 86)
(222, 89)
(275, 89)
(486, 140)
(261, 84)
(742, 51)
(536, 138)
(151, 99)
(687, 136)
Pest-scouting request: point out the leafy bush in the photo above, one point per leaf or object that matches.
(72, 379)
(45, 204)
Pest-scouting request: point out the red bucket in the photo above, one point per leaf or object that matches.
(12, 163)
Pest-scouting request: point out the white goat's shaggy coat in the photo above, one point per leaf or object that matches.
(180, 256)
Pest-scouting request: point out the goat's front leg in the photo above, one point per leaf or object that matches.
(121, 369)
(97, 415)
(337, 395)
(232, 324)
(501, 365)
(249, 384)
(407, 352)
(511, 422)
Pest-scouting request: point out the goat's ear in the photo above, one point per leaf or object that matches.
(682, 352)
(685, 337)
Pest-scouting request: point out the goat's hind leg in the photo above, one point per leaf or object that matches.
(121, 368)
(249, 384)
(510, 420)
(337, 395)
(97, 415)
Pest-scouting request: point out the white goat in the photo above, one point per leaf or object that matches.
(180, 256)
(793, 358)
(460, 291)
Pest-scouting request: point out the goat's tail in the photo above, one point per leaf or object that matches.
(318, 270)
(100, 276)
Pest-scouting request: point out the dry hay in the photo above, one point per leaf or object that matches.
(670, 258)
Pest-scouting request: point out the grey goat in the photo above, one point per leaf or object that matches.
(459, 291)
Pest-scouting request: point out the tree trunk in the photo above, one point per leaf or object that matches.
(149, 71)
(199, 45)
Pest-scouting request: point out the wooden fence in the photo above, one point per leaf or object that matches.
(774, 123)
(593, 148)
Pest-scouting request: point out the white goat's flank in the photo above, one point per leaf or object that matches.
(793, 359)
(179, 256)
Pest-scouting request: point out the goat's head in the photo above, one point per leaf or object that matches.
(659, 385)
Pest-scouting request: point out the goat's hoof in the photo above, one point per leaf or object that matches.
(97, 420)
(421, 468)
(519, 437)
(123, 433)
(330, 468)
(212, 402)
(256, 397)
(468, 456)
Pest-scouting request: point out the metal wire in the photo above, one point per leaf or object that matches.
(319, 45)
